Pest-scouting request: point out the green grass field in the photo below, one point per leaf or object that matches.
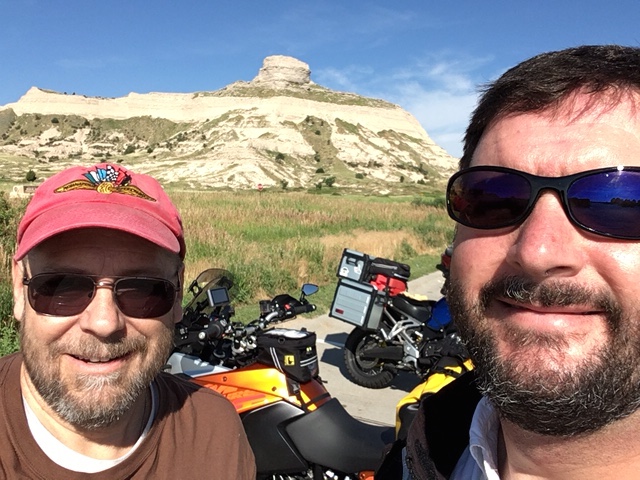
(274, 241)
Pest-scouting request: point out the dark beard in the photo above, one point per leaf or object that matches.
(94, 401)
(602, 389)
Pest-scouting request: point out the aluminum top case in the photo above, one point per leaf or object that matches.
(361, 267)
(353, 265)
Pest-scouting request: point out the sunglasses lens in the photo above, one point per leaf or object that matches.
(60, 294)
(488, 199)
(65, 295)
(144, 297)
(607, 203)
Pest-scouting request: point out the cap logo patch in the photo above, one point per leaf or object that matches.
(105, 180)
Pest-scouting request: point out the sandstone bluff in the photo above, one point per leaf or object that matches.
(279, 128)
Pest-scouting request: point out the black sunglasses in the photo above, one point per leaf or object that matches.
(67, 294)
(605, 201)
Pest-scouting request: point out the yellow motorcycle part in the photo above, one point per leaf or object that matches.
(433, 383)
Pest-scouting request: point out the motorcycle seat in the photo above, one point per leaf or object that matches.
(418, 309)
(330, 437)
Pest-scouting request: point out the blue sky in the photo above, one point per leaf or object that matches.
(427, 56)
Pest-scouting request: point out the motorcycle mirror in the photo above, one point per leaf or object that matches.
(309, 289)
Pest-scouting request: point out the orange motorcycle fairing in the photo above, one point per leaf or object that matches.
(258, 385)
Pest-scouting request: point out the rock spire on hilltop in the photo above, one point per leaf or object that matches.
(280, 70)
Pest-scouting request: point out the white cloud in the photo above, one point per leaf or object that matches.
(443, 113)
(439, 90)
(350, 79)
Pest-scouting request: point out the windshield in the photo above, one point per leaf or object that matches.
(210, 278)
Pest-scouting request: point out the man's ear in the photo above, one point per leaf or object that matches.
(17, 274)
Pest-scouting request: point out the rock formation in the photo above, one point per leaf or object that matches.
(279, 70)
(280, 127)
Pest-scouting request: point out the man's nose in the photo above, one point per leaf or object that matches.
(546, 242)
(102, 316)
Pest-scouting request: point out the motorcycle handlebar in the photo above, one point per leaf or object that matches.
(289, 311)
(300, 309)
(214, 330)
(219, 326)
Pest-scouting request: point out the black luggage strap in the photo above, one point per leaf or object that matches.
(312, 401)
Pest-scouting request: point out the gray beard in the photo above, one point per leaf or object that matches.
(602, 389)
(94, 401)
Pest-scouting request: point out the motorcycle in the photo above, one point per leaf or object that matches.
(296, 429)
(394, 331)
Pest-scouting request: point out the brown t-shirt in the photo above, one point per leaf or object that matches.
(196, 434)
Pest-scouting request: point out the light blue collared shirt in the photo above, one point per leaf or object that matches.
(480, 459)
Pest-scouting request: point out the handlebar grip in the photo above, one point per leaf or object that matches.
(213, 331)
(309, 307)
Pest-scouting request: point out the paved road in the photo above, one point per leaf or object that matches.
(371, 405)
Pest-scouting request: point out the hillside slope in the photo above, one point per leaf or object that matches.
(278, 129)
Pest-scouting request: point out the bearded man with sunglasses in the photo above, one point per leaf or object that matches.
(97, 279)
(544, 280)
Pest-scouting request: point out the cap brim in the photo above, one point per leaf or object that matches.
(113, 216)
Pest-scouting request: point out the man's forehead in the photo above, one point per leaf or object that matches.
(580, 135)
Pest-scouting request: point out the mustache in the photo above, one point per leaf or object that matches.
(555, 293)
(92, 347)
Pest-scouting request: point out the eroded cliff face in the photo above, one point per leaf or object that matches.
(279, 127)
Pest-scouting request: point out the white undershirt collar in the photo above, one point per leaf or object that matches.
(72, 460)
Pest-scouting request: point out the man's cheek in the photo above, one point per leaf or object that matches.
(466, 262)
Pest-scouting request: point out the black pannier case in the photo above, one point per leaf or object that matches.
(293, 352)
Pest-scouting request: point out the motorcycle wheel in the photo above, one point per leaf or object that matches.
(366, 373)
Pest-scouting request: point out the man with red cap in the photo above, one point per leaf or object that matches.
(97, 280)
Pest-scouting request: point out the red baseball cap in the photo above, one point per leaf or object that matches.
(104, 196)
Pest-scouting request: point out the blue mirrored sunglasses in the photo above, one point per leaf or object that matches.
(605, 201)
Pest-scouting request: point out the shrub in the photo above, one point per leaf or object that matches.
(280, 156)
(31, 176)
(359, 176)
(439, 201)
(55, 120)
(405, 251)
(129, 149)
(329, 181)
(320, 170)
(8, 326)
(9, 217)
